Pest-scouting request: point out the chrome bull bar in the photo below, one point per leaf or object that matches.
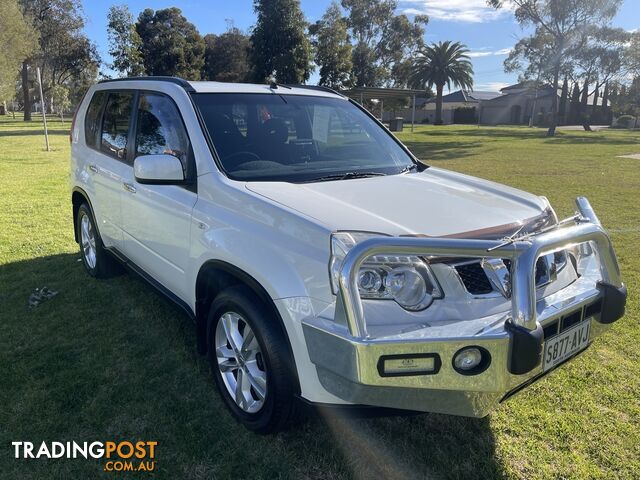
(522, 253)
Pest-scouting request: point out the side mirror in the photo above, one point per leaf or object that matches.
(159, 169)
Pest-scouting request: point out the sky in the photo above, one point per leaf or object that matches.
(489, 34)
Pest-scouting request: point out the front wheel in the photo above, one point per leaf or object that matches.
(251, 362)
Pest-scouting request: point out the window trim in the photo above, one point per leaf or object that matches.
(191, 173)
(191, 177)
(190, 183)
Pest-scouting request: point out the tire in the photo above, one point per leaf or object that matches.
(262, 410)
(96, 259)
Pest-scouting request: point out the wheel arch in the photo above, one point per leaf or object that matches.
(78, 197)
(213, 277)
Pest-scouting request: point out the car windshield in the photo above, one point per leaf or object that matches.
(297, 138)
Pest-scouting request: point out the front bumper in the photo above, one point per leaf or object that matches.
(348, 358)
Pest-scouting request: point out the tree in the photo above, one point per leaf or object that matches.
(124, 42)
(563, 100)
(18, 41)
(383, 41)
(60, 98)
(605, 104)
(602, 59)
(561, 30)
(440, 64)
(226, 56)
(632, 54)
(596, 97)
(332, 48)
(64, 53)
(626, 101)
(280, 44)
(171, 45)
(574, 104)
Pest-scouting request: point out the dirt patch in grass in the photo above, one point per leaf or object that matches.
(633, 156)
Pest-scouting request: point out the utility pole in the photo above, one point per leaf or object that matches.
(44, 113)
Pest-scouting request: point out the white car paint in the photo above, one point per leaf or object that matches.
(434, 202)
(278, 233)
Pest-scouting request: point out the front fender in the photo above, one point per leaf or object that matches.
(286, 253)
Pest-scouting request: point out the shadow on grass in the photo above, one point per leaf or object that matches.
(23, 133)
(112, 359)
(439, 151)
(514, 133)
(482, 132)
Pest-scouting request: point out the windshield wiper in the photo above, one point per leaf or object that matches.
(409, 168)
(345, 176)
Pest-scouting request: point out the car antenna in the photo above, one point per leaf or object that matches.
(273, 85)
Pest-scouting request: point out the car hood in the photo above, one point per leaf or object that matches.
(434, 202)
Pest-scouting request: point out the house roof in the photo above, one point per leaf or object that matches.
(368, 93)
(519, 86)
(484, 95)
(465, 96)
(528, 89)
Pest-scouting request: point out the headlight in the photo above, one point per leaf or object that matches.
(406, 279)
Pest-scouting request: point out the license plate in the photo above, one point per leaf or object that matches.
(566, 344)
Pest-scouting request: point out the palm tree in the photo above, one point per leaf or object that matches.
(440, 64)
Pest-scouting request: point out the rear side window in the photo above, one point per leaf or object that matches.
(160, 128)
(115, 124)
(92, 119)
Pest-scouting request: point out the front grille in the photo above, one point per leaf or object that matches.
(474, 278)
(476, 281)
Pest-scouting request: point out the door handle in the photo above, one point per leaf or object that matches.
(93, 168)
(128, 187)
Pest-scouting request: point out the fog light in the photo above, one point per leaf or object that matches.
(412, 364)
(471, 360)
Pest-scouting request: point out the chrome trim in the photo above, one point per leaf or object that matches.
(523, 254)
(498, 275)
(347, 367)
(587, 211)
(497, 291)
(346, 356)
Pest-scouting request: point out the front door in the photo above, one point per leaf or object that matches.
(156, 219)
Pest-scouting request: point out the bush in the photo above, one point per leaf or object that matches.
(625, 121)
(464, 115)
(543, 119)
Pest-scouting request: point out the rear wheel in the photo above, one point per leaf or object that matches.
(251, 363)
(97, 261)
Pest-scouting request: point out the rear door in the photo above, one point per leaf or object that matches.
(107, 136)
(156, 219)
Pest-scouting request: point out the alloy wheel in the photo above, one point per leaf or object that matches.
(241, 362)
(88, 241)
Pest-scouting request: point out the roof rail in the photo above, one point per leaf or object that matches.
(176, 80)
(320, 88)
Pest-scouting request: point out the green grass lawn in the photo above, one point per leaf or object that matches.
(113, 360)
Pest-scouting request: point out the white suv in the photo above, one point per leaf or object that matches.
(320, 261)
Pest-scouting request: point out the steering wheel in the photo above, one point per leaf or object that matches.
(248, 157)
